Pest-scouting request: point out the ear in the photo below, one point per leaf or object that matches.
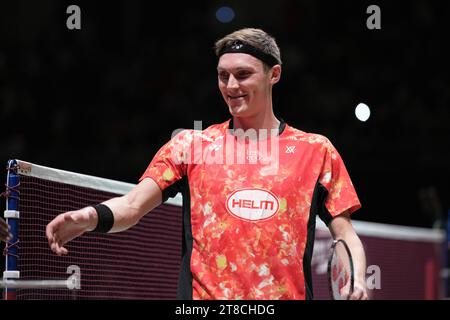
(275, 74)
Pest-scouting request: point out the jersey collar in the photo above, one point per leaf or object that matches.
(280, 128)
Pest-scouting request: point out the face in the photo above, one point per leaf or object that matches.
(245, 84)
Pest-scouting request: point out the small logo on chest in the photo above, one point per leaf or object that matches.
(290, 149)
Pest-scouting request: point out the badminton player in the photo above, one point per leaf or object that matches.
(248, 214)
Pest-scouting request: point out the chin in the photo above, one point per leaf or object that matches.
(238, 110)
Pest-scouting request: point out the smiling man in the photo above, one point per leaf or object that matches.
(248, 226)
(246, 81)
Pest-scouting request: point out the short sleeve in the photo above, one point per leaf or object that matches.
(341, 195)
(170, 163)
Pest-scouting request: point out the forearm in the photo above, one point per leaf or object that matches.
(357, 250)
(342, 228)
(126, 213)
(130, 208)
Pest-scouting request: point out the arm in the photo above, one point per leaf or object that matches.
(127, 211)
(342, 228)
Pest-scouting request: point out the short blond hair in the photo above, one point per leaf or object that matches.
(254, 37)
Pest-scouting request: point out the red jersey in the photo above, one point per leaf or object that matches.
(249, 218)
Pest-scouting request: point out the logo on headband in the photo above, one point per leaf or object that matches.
(237, 45)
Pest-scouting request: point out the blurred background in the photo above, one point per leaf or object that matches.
(103, 99)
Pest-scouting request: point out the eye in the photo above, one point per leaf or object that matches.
(243, 74)
(223, 76)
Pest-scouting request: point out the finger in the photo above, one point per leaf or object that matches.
(4, 230)
(344, 294)
(51, 236)
(55, 244)
(53, 247)
(5, 236)
(8, 237)
(57, 249)
(3, 223)
(57, 240)
(60, 249)
(52, 228)
(357, 294)
(49, 230)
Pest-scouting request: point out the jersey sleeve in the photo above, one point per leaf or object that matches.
(169, 165)
(334, 178)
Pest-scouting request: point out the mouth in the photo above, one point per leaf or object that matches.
(236, 97)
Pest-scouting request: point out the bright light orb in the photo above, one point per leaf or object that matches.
(362, 112)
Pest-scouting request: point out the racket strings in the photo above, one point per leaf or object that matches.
(340, 272)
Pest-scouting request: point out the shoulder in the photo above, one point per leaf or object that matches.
(183, 135)
(209, 134)
(213, 132)
(216, 129)
(313, 139)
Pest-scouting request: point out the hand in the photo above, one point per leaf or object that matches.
(68, 226)
(5, 235)
(359, 290)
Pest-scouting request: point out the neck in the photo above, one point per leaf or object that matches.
(265, 120)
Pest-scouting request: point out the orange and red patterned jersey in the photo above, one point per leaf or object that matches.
(250, 209)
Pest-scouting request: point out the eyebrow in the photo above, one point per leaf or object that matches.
(247, 68)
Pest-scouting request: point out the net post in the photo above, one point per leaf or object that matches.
(12, 216)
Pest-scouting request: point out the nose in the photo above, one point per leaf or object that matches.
(232, 82)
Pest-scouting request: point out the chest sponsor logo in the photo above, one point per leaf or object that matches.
(252, 204)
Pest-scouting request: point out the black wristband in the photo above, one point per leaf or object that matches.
(105, 218)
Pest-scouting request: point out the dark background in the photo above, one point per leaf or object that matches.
(103, 99)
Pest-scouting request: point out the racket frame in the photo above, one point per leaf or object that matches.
(329, 271)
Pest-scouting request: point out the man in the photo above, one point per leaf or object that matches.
(249, 212)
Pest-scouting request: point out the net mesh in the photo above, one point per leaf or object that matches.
(139, 263)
